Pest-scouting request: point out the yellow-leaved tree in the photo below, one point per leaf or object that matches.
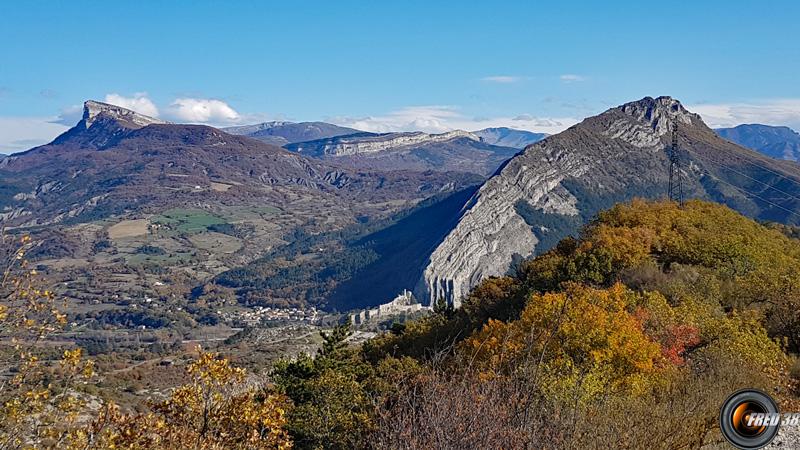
(39, 404)
(218, 409)
(42, 406)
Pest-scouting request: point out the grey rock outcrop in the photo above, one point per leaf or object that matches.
(103, 124)
(454, 151)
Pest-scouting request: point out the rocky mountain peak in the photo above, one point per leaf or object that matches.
(644, 123)
(659, 112)
(93, 110)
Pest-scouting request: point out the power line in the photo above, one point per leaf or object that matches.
(762, 167)
(743, 191)
(676, 181)
(724, 166)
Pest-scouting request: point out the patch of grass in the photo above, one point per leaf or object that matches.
(187, 220)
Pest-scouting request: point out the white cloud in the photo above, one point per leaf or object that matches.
(769, 112)
(503, 79)
(439, 119)
(203, 110)
(139, 103)
(21, 133)
(571, 78)
(69, 116)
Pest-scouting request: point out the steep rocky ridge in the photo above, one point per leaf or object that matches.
(552, 187)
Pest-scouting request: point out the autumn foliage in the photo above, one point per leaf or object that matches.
(655, 310)
(627, 336)
(43, 405)
(216, 410)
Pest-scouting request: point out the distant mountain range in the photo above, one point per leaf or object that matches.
(775, 142)
(509, 137)
(115, 160)
(282, 133)
(452, 151)
(199, 199)
(481, 152)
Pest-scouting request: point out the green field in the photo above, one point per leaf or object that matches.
(187, 220)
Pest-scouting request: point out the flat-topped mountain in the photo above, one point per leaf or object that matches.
(775, 142)
(509, 137)
(282, 133)
(106, 122)
(452, 151)
(553, 186)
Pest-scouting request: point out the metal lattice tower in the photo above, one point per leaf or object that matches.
(675, 173)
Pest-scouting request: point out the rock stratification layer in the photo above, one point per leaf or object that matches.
(362, 143)
(553, 186)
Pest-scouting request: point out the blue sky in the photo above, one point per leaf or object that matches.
(394, 65)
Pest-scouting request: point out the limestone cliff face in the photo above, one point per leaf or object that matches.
(490, 230)
(365, 143)
(604, 156)
(92, 110)
(102, 124)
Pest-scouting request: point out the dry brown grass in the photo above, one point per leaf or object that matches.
(128, 228)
